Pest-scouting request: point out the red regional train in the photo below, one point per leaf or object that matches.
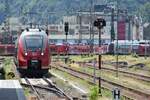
(32, 52)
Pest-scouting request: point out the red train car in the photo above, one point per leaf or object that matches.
(144, 50)
(53, 49)
(62, 48)
(32, 52)
(101, 50)
(2, 49)
(10, 49)
(83, 49)
(7, 49)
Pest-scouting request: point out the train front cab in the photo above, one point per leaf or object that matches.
(33, 60)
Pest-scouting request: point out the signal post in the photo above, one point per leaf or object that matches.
(100, 23)
(66, 28)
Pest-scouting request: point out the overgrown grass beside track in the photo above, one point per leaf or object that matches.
(131, 61)
(130, 82)
(8, 69)
(83, 58)
(106, 94)
(112, 58)
(126, 81)
(27, 92)
(128, 58)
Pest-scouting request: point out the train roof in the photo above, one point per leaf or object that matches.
(59, 43)
(33, 32)
(127, 41)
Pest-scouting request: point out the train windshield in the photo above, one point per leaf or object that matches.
(34, 42)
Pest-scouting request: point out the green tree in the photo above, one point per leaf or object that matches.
(144, 11)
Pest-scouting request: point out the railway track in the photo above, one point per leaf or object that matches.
(44, 89)
(124, 64)
(126, 91)
(125, 73)
(34, 89)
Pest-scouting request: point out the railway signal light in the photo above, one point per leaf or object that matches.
(66, 31)
(100, 23)
(66, 27)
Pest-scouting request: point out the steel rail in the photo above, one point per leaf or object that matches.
(35, 91)
(128, 91)
(51, 87)
(129, 74)
(58, 89)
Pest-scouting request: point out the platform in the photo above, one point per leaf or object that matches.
(11, 90)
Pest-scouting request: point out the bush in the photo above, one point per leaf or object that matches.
(94, 93)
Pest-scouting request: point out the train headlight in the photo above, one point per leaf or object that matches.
(42, 53)
(26, 54)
